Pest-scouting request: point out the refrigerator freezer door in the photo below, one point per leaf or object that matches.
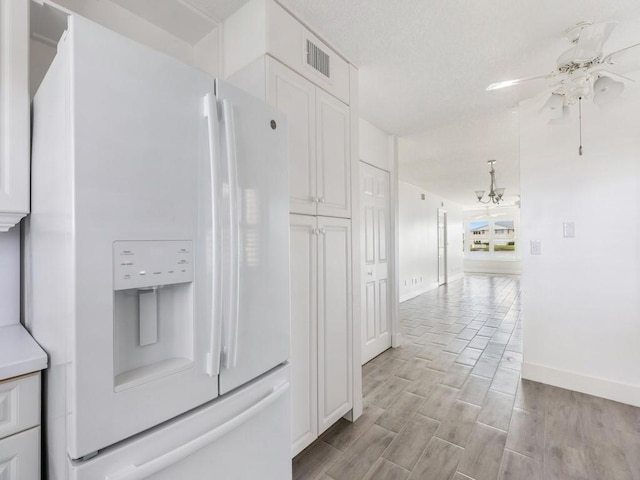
(243, 436)
(135, 203)
(255, 281)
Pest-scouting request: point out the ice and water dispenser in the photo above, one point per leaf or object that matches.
(153, 310)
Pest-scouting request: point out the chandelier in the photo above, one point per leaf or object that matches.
(495, 194)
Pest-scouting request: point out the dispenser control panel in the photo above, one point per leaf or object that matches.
(140, 264)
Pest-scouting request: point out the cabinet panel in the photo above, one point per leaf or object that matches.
(295, 97)
(335, 395)
(304, 339)
(14, 113)
(333, 156)
(19, 404)
(20, 456)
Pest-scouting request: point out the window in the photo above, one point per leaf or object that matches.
(480, 236)
(492, 236)
(504, 236)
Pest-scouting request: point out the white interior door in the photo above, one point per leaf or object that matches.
(442, 247)
(375, 289)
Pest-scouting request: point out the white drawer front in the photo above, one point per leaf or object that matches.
(19, 404)
(20, 456)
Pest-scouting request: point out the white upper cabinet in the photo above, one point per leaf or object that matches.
(333, 156)
(14, 112)
(319, 143)
(264, 27)
(296, 97)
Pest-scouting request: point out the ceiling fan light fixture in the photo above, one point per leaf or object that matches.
(553, 107)
(564, 118)
(606, 89)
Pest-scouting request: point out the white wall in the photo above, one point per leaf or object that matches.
(481, 262)
(10, 277)
(376, 146)
(418, 223)
(581, 296)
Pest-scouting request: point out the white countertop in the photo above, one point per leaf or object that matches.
(19, 353)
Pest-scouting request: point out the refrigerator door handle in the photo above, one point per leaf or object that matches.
(140, 472)
(213, 131)
(233, 281)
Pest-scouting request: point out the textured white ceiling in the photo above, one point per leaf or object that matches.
(424, 66)
(425, 63)
(451, 160)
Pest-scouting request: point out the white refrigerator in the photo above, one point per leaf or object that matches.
(157, 268)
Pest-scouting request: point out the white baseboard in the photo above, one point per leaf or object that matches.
(600, 387)
(414, 293)
(455, 277)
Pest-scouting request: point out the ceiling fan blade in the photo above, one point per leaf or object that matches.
(518, 81)
(624, 60)
(601, 69)
(591, 40)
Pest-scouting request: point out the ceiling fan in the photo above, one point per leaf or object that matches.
(583, 72)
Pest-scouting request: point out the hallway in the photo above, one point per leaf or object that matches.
(449, 404)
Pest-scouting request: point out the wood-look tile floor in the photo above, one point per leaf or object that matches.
(450, 404)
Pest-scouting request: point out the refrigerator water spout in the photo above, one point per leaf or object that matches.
(148, 315)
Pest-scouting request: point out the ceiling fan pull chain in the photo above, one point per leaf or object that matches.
(580, 121)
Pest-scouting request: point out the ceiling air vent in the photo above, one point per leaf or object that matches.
(318, 59)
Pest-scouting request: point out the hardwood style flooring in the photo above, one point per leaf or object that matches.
(450, 405)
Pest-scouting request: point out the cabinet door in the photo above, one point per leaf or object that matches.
(304, 327)
(14, 113)
(295, 96)
(335, 354)
(20, 456)
(334, 156)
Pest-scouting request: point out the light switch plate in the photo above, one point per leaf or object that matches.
(569, 230)
(536, 247)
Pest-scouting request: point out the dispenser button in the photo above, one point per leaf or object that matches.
(142, 272)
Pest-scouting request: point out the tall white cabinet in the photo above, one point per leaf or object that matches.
(322, 333)
(319, 142)
(14, 112)
(273, 56)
